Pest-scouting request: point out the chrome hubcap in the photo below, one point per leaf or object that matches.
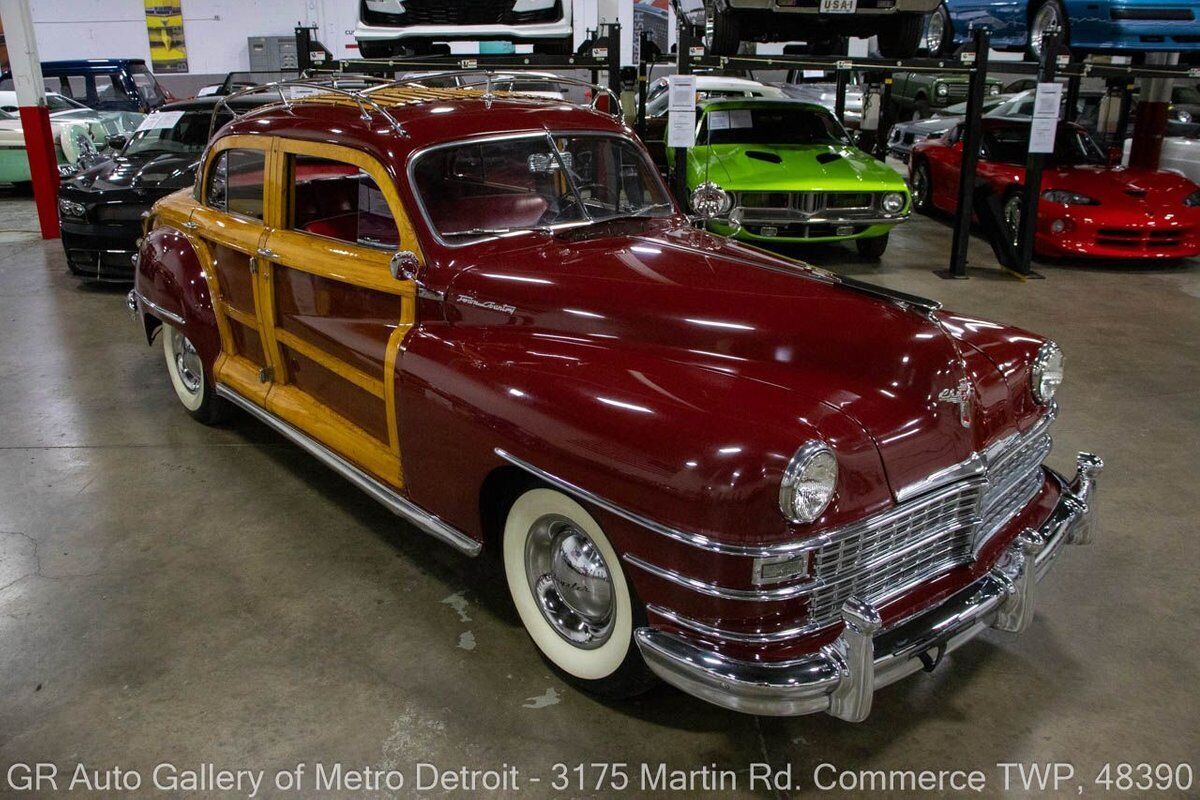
(187, 362)
(1012, 218)
(1046, 18)
(570, 581)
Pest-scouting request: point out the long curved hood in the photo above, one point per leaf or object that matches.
(717, 305)
(1121, 186)
(804, 167)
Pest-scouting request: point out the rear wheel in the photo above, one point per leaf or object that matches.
(192, 386)
(566, 581)
(872, 248)
(922, 188)
(902, 38)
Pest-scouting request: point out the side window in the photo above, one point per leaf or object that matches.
(235, 183)
(340, 201)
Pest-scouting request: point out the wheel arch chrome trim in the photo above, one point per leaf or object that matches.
(156, 310)
(395, 502)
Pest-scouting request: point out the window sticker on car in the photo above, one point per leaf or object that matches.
(718, 120)
(741, 118)
(160, 120)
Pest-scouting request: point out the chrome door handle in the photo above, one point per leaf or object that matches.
(191, 226)
(264, 252)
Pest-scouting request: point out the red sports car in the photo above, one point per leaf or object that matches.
(1088, 208)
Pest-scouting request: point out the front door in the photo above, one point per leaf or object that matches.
(230, 225)
(334, 316)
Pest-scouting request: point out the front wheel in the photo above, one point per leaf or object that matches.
(922, 188)
(872, 248)
(939, 33)
(1048, 15)
(725, 35)
(566, 581)
(192, 386)
(903, 37)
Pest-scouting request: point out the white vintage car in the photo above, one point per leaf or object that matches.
(79, 133)
(389, 27)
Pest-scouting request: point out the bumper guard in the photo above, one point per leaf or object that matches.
(842, 677)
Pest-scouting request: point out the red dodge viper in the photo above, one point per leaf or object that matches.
(1088, 207)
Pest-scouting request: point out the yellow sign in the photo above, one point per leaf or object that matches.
(164, 27)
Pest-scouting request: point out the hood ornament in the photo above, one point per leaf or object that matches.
(961, 397)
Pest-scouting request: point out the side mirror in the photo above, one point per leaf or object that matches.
(405, 265)
(117, 141)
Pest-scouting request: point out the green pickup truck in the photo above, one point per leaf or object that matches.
(918, 95)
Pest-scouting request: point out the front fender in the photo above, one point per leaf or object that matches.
(170, 279)
(693, 445)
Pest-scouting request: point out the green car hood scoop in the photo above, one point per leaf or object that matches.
(770, 158)
(828, 157)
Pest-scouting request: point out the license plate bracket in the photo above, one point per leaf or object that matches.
(838, 7)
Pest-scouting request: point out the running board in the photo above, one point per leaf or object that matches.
(385, 495)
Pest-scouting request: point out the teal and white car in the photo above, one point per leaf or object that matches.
(787, 171)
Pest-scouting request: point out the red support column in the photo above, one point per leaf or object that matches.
(1149, 127)
(43, 166)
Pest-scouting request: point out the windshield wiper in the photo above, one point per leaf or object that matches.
(645, 212)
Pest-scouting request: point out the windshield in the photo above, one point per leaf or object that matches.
(1072, 146)
(474, 190)
(147, 86)
(180, 132)
(779, 125)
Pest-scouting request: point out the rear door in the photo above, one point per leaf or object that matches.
(335, 315)
(229, 223)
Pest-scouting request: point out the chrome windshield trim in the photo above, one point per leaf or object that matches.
(417, 155)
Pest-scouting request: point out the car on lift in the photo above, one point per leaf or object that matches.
(1089, 26)
(1089, 207)
(789, 172)
(393, 27)
(776, 488)
(105, 84)
(920, 95)
(101, 209)
(898, 25)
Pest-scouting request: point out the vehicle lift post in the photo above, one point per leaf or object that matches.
(35, 115)
(843, 80)
(972, 133)
(1034, 163)
(683, 66)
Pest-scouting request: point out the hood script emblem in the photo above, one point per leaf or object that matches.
(960, 397)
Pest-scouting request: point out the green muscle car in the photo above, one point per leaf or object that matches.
(789, 173)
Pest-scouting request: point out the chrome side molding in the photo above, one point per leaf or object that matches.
(385, 495)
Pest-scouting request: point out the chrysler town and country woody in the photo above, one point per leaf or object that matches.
(773, 487)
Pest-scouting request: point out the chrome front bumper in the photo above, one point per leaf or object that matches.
(842, 677)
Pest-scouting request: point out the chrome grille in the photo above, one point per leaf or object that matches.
(883, 557)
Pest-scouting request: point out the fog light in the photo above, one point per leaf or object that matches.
(69, 208)
(1058, 226)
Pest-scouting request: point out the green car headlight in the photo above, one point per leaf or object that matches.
(893, 202)
(941, 89)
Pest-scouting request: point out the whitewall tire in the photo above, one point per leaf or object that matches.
(566, 581)
(186, 368)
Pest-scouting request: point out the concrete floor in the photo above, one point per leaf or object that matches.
(175, 593)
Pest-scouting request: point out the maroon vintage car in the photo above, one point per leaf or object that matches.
(773, 487)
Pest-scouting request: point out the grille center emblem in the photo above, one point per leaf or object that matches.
(961, 397)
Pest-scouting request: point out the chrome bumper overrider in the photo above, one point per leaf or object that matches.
(842, 677)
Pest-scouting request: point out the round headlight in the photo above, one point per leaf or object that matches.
(710, 201)
(1047, 373)
(993, 89)
(941, 89)
(808, 482)
(893, 202)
